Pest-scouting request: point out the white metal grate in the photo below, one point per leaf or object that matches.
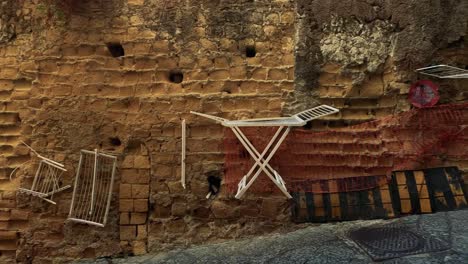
(316, 112)
(46, 181)
(93, 188)
(444, 72)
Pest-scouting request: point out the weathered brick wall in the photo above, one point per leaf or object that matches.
(72, 94)
(62, 90)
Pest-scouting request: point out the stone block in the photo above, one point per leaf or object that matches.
(259, 74)
(288, 59)
(139, 248)
(373, 87)
(142, 232)
(135, 21)
(277, 74)
(8, 245)
(196, 75)
(138, 218)
(4, 215)
(3, 225)
(140, 191)
(124, 218)
(7, 203)
(85, 50)
(249, 87)
(178, 209)
(221, 63)
(127, 232)
(142, 162)
(163, 171)
(126, 205)
(128, 162)
(175, 187)
(125, 191)
(176, 226)
(160, 46)
(140, 205)
(219, 75)
(221, 209)
(161, 211)
(125, 246)
(201, 212)
(271, 208)
(19, 215)
(288, 18)
(167, 63)
(8, 235)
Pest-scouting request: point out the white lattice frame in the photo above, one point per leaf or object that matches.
(93, 189)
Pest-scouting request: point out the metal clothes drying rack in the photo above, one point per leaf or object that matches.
(444, 72)
(46, 179)
(92, 192)
(262, 160)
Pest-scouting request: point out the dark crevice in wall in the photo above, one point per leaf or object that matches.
(176, 76)
(250, 51)
(115, 141)
(115, 49)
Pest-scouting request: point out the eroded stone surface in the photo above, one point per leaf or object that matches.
(62, 90)
(326, 243)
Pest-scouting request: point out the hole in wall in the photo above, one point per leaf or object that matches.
(115, 141)
(115, 49)
(176, 76)
(250, 51)
(214, 182)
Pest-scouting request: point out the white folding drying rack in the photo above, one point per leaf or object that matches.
(444, 72)
(262, 160)
(92, 192)
(46, 180)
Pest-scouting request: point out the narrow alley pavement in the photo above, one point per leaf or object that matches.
(433, 238)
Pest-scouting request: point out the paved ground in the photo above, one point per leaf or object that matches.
(446, 232)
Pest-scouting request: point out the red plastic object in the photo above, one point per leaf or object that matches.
(424, 93)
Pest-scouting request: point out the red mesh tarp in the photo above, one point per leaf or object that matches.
(357, 157)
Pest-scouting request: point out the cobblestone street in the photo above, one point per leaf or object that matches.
(331, 243)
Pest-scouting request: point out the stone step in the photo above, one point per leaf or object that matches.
(5, 172)
(10, 130)
(15, 161)
(6, 150)
(9, 140)
(4, 224)
(9, 118)
(8, 235)
(8, 245)
(7, 204)
(5, 94)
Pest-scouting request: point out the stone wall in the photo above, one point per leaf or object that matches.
(120, 75)
(361, 55)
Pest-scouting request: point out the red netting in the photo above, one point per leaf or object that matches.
(357, 157)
